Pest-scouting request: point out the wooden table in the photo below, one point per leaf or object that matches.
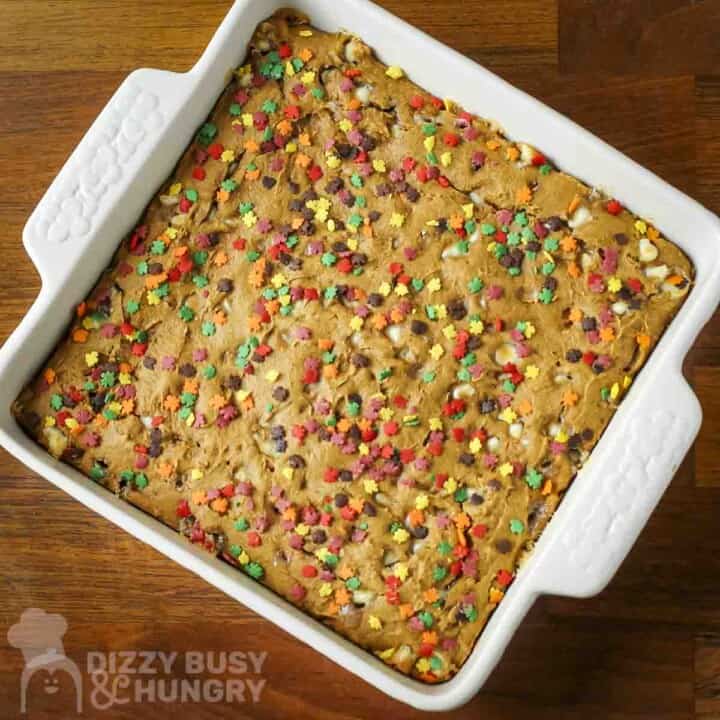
(643, 75)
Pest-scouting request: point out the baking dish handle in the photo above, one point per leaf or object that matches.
(97, 175)
(612, 499)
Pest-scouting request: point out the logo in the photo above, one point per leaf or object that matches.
(39, 636)
(126, 677)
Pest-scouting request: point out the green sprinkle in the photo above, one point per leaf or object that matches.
(516, 526)
(56, 401)
(186, 313)
(475, 285)
(241, 524)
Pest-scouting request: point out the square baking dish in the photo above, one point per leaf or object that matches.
(133, 146)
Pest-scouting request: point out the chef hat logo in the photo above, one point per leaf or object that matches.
(39, 635)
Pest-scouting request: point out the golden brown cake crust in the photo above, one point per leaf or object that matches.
(358, 345)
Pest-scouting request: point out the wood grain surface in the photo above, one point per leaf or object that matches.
(642, 74)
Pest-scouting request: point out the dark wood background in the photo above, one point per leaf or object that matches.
(642, 74)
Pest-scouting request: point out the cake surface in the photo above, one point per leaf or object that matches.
(359, 345)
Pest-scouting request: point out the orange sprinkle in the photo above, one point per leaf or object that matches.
(220, 317)
(344, 425)
(80, 335)
(512, 153)
(406, 610)
(342, 597)
(524, 195)
(546, 488)
(495, 596)
(492, 144)
(165, 469)
(81, 309)
(171, 403)
(251, 146)
(330, 372)
(248, 403)
(569, 398)
(675, 279)
(198, 497)
(220, 259)
(357, 504)
(430, 595)
(574, 270)
(219, 505)
(191, 386)
(302, 160)
(525, 407)
(568, 243)
(652, 233)
(49, 376)
(222, 196)
(325, 344)
(217, 401)
(306, 55)
(607, 334)
(643, 340)
(574, 204)
(576, 315)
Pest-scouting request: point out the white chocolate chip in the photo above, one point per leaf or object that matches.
(620, 307)
(647, 251)
(657, 272)
(505, 354)
(579, 217)
(477, 198)
(395, 333)
(463, 392)
(362, 93)
(56, 440)
(363, 597)
(493, 444)
(516, 430)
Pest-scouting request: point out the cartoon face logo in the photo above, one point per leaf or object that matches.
(39, 636)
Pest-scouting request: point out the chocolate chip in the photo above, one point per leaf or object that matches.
(589, 324)
(345, 476)
(233, 382)
(457, 309)
(418, 327)
(554, 223)
(503, 546)
(360, 361)
(420, 532)
(369, 509)
(573, 355)
(587, 434)
(281, 394)
(296, 462)
(341, 500)
(187, 370)
(149, 362)
(375, 299)
(621, 238)
(225, 285)
(319, 536)
(476, 499)
(269, 182)
(487, 405)
(467, 459)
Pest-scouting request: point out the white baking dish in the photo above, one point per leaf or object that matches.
(134, 144)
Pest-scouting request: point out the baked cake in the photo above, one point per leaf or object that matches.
(358, 346)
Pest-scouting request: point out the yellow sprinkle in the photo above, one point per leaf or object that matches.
(302, 529)
(435, 424)
(434, 284)
(386, 654)
(72, 423)
(243, 558)
(422, 665)
(450, 486)
(305, 33)
(363, 449)
(506, 469)
(308, 78)
(401, 289)
(125, 378)
(627, 380)
(356, 323)
(345, 125)
(529, 329)
(508, 415)
(289, 69)
(397, 220)
(175, 189)
(532, 371)
(370, 486)
(91, 359)
(475, 446)
(468, 210)
(152, 297)
(437, 351)
(561, 436)
(333, 161)
(278, 280)
(395, 72)
(379, 166)
(614, 284)
(291, 147)
(449, 331)
(401, 535)
(386, 414)
(325, 590)
(477, 327)
(49, 421)
(288, 472)
(384, 289)
(272, 375)
(615, 390)
(374, 622)
(247, 120)
(421, 502)
(228, 156)
(641, 226)
(196, 474)
(400, 571)
(429, 143)
(190, 419)
(446, 159)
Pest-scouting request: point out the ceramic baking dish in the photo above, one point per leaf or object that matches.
(132, 147)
